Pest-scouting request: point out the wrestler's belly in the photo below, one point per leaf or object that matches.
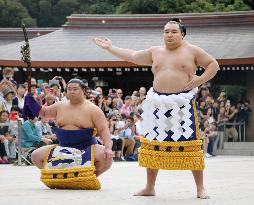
(170, 82)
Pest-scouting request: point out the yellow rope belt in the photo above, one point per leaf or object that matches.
(71, 178)
(181, 155)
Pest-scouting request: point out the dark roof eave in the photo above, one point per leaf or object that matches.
(98, 64)
(236, 61)
(68, 64)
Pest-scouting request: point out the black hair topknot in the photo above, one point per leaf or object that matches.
(176, 20)
(80, 82)
(181, 26)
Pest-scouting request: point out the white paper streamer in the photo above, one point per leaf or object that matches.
(163, 103)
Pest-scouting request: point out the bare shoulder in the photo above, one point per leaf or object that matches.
(202, 58)
(55, 106)
(194, 48)
(60, 104)
(92, 107)
(155, 48)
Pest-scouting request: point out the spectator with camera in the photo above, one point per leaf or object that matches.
(222, 97)
(100, 102)
(128, 135)
(231, 131)
(55, 90)
(117, 146)
(61, 82)
(8, 74)
(57, 86)
(14, 118)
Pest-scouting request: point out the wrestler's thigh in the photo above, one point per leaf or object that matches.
(40, 153)
(99, 152)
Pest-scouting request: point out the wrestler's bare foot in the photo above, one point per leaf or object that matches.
(202, 194)
(145, 192)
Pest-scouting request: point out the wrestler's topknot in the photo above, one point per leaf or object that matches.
(176, 20)
(76, 80)
(181, 26)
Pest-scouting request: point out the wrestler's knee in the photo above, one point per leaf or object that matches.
(35, 156)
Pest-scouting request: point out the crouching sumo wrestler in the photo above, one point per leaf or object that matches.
(78, 160)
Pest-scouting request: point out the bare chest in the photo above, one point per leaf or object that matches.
(74, 117)
(181, 60)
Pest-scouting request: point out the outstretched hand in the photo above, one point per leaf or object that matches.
(194, 82)
(103, 43)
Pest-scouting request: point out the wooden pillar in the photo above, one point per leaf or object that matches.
(250, 96)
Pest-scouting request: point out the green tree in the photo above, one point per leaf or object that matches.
(32, 7)
(45, 14)
(101, 8)
(52, 13)
(167, 6)
(62, 9)
(13, 13)
(249, 3)
(138, 7)
(200, 6)
(238, 5)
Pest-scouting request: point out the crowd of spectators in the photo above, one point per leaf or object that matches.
(122, 111)
(220, 119)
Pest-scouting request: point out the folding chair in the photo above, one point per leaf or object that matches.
(24, 154)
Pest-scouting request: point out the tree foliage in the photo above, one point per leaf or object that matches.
(52, 13)
(13, 13)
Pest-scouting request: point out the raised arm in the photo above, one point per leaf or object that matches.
(141, 57)
(49, 111)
